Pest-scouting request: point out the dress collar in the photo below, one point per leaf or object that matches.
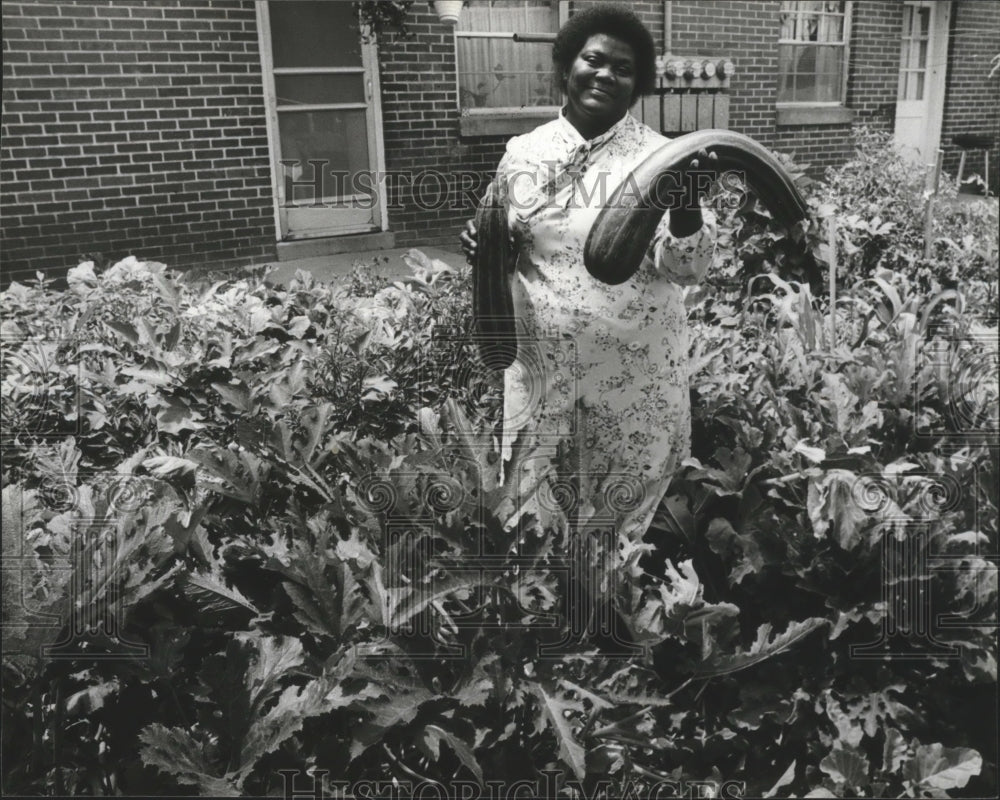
(576, 138)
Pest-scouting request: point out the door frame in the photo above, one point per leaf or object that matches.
(937, 70)
(376, 142)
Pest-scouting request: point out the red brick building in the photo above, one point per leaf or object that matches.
(191, 132)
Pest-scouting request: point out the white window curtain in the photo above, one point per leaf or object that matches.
(499, 72)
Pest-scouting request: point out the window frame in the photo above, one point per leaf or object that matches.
(505, 120)
(820, 112)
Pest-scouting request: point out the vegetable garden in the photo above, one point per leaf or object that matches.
(241, 526)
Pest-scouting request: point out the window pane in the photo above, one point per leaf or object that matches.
(308, 33)
(535, 16)
(812, 71)
(831, 28)
(787, 19)
(784, 70)
(815, 73)
(502, 73)
(828, 87)
(906, 55)
(812, 20)
(806, 65)
(339, 139)
(324, 88)
(925, 20)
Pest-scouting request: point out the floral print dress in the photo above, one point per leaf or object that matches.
(596, 405)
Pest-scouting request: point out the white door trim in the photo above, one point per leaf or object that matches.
(935, 76)
(938, 68)
(270, 112)
(376, 146)
(373, 90)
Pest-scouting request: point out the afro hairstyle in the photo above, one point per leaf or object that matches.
(611, 19)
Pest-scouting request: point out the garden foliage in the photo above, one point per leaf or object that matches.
(244, 530)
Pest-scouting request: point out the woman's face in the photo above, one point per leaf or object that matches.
(600, 84)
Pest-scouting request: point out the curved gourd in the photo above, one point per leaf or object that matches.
(494, 329)
(623, 230)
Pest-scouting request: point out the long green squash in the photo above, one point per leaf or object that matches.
(623, 230)
(494, 327)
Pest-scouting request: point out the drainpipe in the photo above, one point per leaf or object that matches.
(667, 25)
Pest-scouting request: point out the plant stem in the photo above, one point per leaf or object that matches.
(412, 773)
(57, 720)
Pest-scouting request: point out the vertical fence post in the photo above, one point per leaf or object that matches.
(831, 237)
(929, 213)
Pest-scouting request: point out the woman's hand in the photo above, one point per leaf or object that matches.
(687, 221)
(469, 239)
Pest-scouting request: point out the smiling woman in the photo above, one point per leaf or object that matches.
(596, 409)
(600, 85)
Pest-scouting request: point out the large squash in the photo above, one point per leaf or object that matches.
(494, 329)
(624, 229)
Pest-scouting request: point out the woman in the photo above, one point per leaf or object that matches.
(596, 405)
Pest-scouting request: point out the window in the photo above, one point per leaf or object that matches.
(913, 64)
(812, 51)
(495, 72)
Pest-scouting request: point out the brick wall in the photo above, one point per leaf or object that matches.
(132, 127)
(420, 131)
(746, 31)
(972, 101)
(873, 71)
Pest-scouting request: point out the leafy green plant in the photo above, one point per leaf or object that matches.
(377, 17)
(253, 532)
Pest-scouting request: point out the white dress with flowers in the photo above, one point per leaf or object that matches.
(596, 406)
